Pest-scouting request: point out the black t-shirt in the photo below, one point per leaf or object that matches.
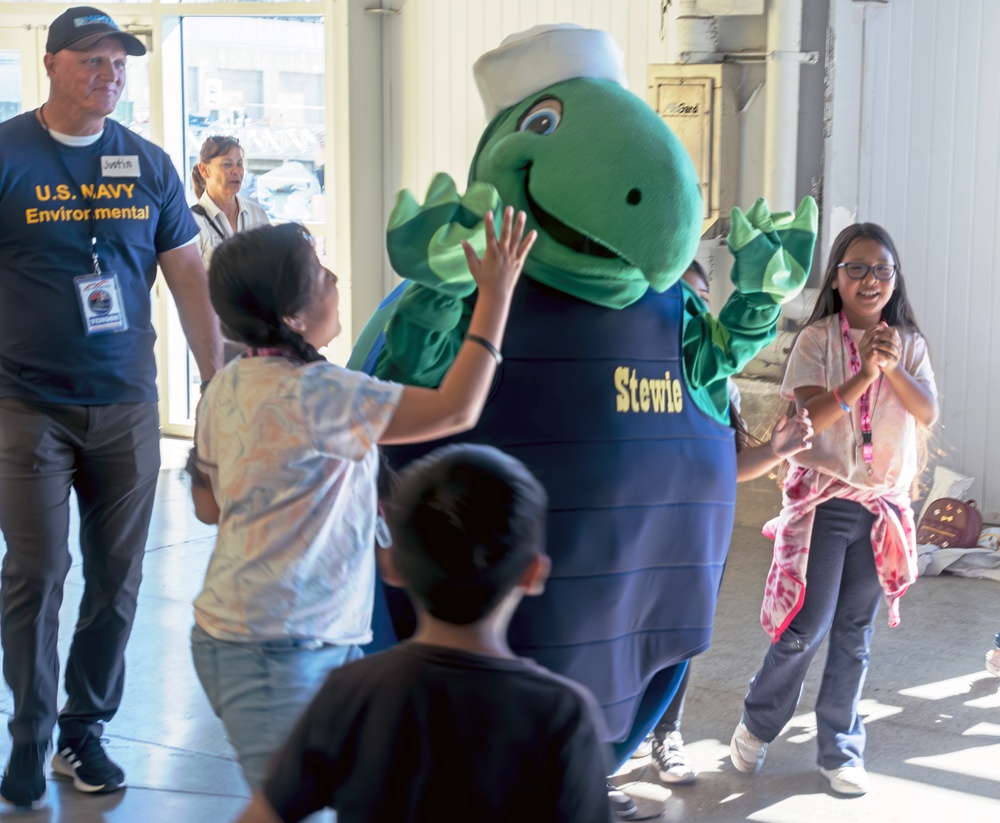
(423, 733)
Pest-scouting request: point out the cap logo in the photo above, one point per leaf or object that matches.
(94, 18)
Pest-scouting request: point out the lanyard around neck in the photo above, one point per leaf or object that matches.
(197, 208)
(272, 351)
(865, 406)
(88, 202)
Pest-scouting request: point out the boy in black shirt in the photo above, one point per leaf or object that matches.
(450, 724)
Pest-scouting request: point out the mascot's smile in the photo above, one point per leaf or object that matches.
(559, 231)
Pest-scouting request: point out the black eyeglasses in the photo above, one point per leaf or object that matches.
(859, 271)
(222, 138)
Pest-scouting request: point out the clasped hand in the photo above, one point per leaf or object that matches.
(880, 349)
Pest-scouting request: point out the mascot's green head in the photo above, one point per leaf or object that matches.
(609, 188)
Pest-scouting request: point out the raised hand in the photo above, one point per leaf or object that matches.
(773, 252)
(792, 434)
(500, 266)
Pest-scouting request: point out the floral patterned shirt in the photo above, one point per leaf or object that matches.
(290, 449)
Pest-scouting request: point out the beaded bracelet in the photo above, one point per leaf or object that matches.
(839, 399)
(486, 344)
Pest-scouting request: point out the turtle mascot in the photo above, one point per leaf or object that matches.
(613, 385)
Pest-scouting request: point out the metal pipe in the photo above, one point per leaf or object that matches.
(692, 37)
(783, 64)
(761, 56)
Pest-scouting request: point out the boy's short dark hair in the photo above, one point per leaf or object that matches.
(466, 521)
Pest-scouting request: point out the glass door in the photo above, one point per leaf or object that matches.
(260, 80)
(20, 70)
(24, 84)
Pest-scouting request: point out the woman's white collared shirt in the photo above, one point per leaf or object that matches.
(214, 226)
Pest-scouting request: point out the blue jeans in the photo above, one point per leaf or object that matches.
(842, 597)
(259, 689)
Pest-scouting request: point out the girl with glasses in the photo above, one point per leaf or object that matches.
(845, 536)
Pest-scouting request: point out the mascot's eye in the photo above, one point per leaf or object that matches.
(543, 117)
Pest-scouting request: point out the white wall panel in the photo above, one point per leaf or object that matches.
(981, 399)
(929, 170)
(437, 115)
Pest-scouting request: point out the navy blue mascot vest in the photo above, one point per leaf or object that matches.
(641, 485)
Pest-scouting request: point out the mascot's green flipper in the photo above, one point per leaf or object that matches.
(613, 385)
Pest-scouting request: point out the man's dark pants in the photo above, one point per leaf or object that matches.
(110, 455)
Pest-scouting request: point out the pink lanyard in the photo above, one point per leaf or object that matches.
(865, 403)
(265, 351)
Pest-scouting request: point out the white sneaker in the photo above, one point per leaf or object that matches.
(644, 748)
(852, 780)
(993, 661)
(746, 750)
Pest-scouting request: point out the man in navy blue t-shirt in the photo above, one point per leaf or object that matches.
(87, 211)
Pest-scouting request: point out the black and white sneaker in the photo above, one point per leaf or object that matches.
(86, 762)
(23, 785)
(672, 761)
(622, 806)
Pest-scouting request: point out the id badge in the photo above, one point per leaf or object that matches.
(101, 303)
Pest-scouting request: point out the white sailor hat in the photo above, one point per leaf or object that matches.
(532, 60)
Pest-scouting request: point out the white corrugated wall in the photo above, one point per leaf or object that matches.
(928, 171)
(437, 116)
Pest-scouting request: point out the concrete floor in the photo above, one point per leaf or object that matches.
(933, 713)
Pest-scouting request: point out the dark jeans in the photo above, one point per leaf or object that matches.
(842, 597)
(110, 456)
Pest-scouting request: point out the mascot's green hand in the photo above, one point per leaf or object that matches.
(773, 251)
(425, 242)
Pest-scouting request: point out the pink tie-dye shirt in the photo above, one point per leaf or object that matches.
(892, 542)
(819, 359)
(834, 468)
(290, 449)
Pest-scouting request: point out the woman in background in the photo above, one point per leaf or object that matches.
(220, 211)
(217, 179)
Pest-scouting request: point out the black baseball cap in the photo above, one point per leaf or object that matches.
(80, 27)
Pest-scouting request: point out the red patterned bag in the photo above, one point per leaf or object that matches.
(950, 524)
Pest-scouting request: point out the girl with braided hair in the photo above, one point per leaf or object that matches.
(286, 463)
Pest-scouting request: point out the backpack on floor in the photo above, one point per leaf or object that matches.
(950, 524)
